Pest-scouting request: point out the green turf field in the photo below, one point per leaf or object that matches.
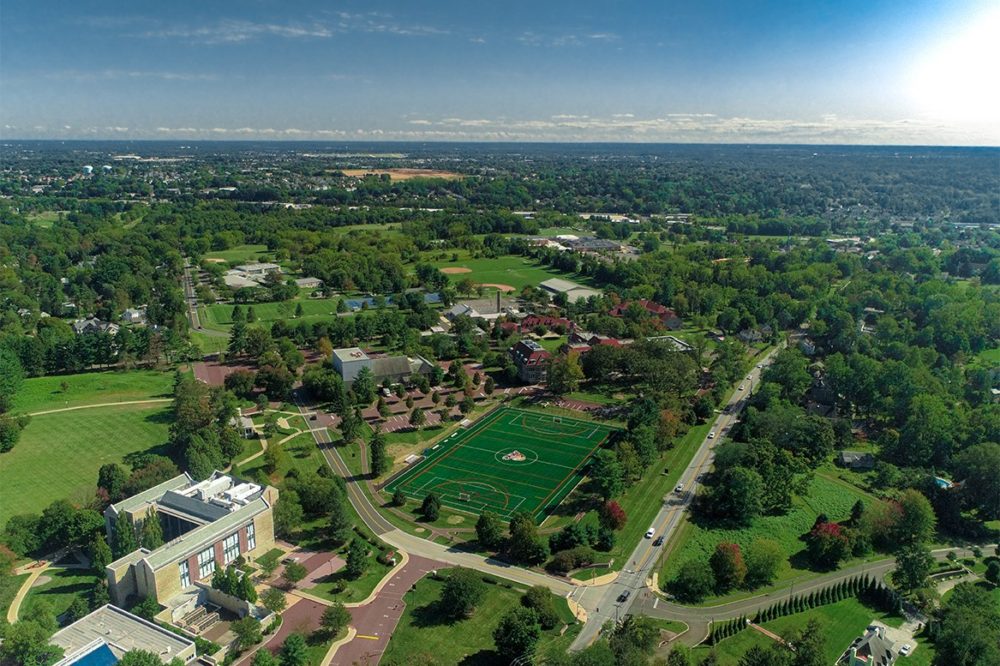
(510, 460)
(517, 272)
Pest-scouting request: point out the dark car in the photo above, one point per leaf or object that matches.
(624, 596)
(658, 542)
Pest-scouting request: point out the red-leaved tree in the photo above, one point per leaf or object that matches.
(613, 515)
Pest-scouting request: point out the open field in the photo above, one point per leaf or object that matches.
(514, 271)
(300, 454)
(45, 218)
(242, 254)
(91, 388)
(990, 355)
(510, 460)
(219, 317)
(59, 454)
(403, 174)
(698, 541)
(842, 622)
(425, 628)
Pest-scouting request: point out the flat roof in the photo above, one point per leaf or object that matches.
(120, 629)
(348, 354)
(152, 494)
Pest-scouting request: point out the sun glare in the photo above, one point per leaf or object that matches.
(958, 77)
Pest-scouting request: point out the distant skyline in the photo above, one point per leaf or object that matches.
(849, 72)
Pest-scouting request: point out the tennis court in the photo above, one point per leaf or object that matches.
(510, 460)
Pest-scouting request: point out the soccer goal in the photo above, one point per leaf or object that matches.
(464, 497)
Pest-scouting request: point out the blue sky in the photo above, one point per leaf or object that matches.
(819, 71)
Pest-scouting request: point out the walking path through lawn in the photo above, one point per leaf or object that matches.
(150, 401)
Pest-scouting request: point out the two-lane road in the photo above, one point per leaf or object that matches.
(615, 600)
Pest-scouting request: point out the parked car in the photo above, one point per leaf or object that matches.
(906, 649)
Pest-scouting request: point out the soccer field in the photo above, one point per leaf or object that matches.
(510, 460)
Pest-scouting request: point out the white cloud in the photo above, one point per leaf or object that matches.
(674, 127)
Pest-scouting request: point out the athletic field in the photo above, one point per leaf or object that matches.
(510, 460)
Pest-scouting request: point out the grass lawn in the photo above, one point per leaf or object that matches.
(517, 272)
(208, 344)
(301, 454)
(65, 586)
(242, 254)
(643, 500)
(357, 589)
(59, 454)
(219, 317)
(45, 218)
(9, 585)
(91, 388)
(842, 622)
(990, 355)
(832, 497)
(553, 344)
(425, 629)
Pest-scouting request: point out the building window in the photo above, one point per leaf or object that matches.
(231, 547)
(251, 537)
(206, 563)
(185, 573)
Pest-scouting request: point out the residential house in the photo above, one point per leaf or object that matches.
(531, 360)
(872, 649)
(135, 316)
(856, 460)
(93, 325)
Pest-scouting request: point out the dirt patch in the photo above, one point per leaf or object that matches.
(41, 580)
(456, 520)
(502, 287)
(455, 270)
(402, 174)
(214, 260)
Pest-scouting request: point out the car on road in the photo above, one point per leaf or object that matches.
(711, 435)
(741, 387)
(760, 366)
(624, 596)
(679, 488)
(906, 649)
(650, 532)
(749, 377)
(658, 542)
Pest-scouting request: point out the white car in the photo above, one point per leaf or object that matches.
(749, 377)
(741, 387)
(760, 366)
(679, 488)
(906, 649)
(650, 532)
(711, 435)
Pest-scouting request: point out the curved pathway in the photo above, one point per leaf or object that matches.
(15, 604)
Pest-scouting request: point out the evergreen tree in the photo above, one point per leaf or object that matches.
(124, 541)
(151, 534)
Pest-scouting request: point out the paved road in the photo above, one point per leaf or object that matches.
(608, 603)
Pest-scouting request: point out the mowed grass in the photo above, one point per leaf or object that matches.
(92, 388)
(242, 254)
(468, 472)
(698, 541)
(220, 316)
(841, 623)
(518, 272)
(59, 454)
(59, 592)
(990, 356)
(425, 628)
